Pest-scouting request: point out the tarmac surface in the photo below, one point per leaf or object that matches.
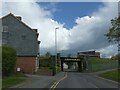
(85, 80)
(68, 80)
(37, 81)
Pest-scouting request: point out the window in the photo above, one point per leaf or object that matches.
(23, 37)
(5, 28)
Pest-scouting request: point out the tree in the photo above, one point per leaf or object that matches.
(8, 61)
(114, 32)
(48, 54)
(114, 57)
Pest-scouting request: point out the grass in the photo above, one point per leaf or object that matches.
(0, 83)
(113, 75)
(99, 64)
(19, 74)
(102, 61)
(12, 80)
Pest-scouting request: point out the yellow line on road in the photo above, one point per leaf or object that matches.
(56, 83)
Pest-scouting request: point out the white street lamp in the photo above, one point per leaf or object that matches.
(56, 47)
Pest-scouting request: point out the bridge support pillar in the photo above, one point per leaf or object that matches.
(80, 66)
(61, 65)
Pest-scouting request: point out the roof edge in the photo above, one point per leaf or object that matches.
(19, 21)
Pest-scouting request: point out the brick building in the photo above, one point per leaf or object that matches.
(90, 54)
(24, 39)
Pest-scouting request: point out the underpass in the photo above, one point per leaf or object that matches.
(72, 64)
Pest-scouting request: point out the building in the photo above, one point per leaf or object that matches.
(24, 39)
(90, 54)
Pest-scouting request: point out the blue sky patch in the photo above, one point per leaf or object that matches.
(68, 12)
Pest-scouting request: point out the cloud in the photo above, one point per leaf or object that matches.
(87, 34)
(108, 51)
(36, 17)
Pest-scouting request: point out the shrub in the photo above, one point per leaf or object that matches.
(19, 74)
(8, 61)
(45, 62)
(51, 67)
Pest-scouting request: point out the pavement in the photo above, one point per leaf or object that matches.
(37, 81)
(85, 80)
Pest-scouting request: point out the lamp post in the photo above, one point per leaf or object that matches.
(118, 31)
(56, 48)
(118, 44)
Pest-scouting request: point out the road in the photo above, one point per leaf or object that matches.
(39, 81)
(85, 80)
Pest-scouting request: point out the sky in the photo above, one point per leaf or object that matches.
(67, 12)
(82, 25)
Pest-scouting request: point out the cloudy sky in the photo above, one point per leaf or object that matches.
(82, 25)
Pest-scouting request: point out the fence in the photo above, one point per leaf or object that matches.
(101, 65)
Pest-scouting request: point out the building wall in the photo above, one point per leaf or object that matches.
(24, 40)
(20, 37)
(90, 54)
(26, 64)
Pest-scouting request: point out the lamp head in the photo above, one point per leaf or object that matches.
(56, 27)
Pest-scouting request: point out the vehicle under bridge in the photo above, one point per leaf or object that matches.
(74, 64)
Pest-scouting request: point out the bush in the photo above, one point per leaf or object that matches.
(51, 67)
(45, 62)
(19, 74)
(8, 61)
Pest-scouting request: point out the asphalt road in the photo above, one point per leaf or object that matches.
(37, 81)
(85, 80)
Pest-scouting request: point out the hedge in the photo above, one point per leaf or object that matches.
(8, 61)
(45, 62)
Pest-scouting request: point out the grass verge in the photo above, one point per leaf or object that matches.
(113, 75)
(100, 64)
(12, 80)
